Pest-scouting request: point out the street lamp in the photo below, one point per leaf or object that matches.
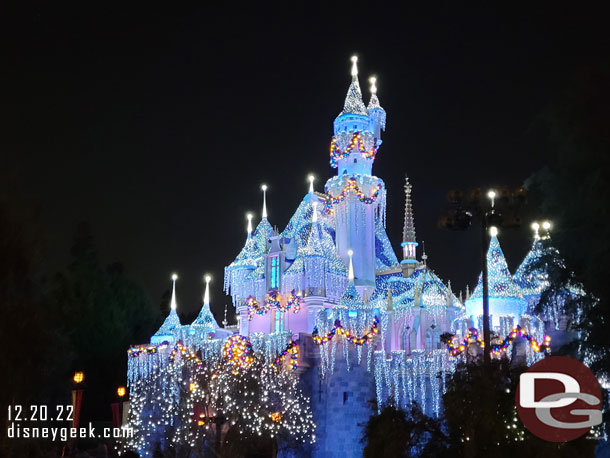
(501, 210)
(77, 401)
(121, 391)
(78, 377)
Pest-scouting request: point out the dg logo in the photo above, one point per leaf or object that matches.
(559, 399)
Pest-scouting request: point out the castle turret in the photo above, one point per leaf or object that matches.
(409, 244)
(376, 113)
(171, 325)
(357, 197)
(505, 297)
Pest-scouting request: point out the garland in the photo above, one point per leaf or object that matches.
(134, 352)
(336, 154)
(273, 299)
(293, 349)
(293, 302)
(254, 307)
(338, 329)
(237, 352)
(352, 185)
(473, 337)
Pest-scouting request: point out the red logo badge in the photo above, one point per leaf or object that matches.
(559, 399)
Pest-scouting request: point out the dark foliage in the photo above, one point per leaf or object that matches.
(574, 190)
(398, 433)
(481, 417)
(83, 318)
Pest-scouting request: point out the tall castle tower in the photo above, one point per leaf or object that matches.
(357, 197)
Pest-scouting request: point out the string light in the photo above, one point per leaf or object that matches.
(473, 338)
(366, 338)
(352, 185)
(356, 141)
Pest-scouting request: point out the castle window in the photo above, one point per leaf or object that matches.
(409, 340)
(429, 340)
(275, 272)
(279, 321)
(406, 341)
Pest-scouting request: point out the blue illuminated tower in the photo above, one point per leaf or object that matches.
(357, 197)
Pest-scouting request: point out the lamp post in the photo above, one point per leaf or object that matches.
(500, 209)
(77, 400)
(116, 407)
(77, 397)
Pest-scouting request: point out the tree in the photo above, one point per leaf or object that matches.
(102, 313)
(481, 416)
(236, 405)
(34, 354)
(573, 190)
(398, 433)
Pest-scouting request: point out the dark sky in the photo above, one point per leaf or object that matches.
(159, 125)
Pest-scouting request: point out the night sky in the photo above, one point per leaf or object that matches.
(159, 126)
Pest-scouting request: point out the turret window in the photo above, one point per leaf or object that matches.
(275, 272)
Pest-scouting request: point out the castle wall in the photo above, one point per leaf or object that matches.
(342, 402)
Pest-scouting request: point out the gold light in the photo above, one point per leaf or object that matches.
(79, 376)
(121, 391)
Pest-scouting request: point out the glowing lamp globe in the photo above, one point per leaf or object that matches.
(78, 378)
(120, 391)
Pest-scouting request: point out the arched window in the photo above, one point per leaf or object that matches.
(406, 341)
(429, 340)
(409, 340)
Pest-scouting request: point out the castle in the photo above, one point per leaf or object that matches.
(367, 325)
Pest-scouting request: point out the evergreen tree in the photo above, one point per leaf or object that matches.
(398, 433)
(481, 416)
(574, 190)
(103, 312)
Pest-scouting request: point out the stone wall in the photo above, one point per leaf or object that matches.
(342, 402)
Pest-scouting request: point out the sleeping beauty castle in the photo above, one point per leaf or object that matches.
(327, 302)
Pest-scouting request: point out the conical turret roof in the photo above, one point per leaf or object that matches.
(205, 321)
(353, 100)
(500, 282)
(530, 279)
(171, 322)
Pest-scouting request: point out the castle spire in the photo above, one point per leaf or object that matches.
(206, 294)
(166, 332)
(353, 101)
(409, 243)
(264, 189)
(374, 102)
(350, 270)
(249, 216)
(536, 229)
(311, 178)
(205, 322)
(173, 305)
(408, 230)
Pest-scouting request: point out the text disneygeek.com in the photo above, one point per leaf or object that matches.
(17, 431)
